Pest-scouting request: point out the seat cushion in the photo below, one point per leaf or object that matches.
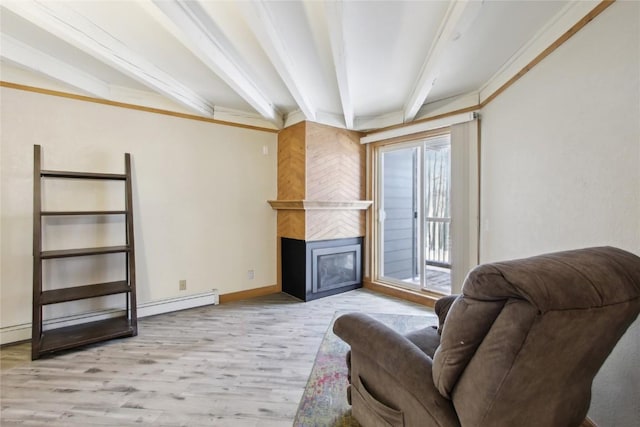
(427, 339)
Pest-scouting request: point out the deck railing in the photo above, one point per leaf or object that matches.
(438, 242)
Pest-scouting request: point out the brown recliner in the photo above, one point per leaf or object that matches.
(520, 346)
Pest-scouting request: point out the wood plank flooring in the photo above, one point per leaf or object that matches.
(243, 363)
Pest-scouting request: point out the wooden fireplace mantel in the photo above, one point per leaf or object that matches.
(320, 204)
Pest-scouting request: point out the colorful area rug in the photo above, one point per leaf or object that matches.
(324, 401)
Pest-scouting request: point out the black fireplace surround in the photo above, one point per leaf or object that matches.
(317, 269)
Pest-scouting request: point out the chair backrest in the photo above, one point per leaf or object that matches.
(524, 341)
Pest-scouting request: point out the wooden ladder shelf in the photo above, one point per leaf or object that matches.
(52, 340)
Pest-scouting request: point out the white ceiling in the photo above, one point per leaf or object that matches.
(355, 64)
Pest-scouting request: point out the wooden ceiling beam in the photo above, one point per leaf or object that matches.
(264, 27)
(35, 60)
(199, 33)
(335, 21)
(429, 72)
(79, 31)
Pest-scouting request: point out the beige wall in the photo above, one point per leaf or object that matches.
(561, 170)
(200, 192)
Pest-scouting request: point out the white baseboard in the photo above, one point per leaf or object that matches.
(22, 332)
(168, 305)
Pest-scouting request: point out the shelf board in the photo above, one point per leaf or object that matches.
(83, 292)
(87, 333)
(66, 213)
(65, 253)
(82, 175)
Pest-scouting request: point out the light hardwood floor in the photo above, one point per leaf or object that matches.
(243, 363)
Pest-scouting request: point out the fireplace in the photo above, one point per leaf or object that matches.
(317, 269)
(321, 211)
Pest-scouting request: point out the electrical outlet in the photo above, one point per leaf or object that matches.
(182, 285)
(250, 274)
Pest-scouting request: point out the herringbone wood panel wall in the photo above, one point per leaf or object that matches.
(291, 163)
(320, 163)
(291, 224)
(334, 224)
(335, 164)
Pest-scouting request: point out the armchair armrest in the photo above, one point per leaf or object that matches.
(400, 361)
(368, 336)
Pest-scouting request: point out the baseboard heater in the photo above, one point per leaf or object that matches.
(22, 332)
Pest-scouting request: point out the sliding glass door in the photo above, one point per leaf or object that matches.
(398, 215)
(414, 243)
